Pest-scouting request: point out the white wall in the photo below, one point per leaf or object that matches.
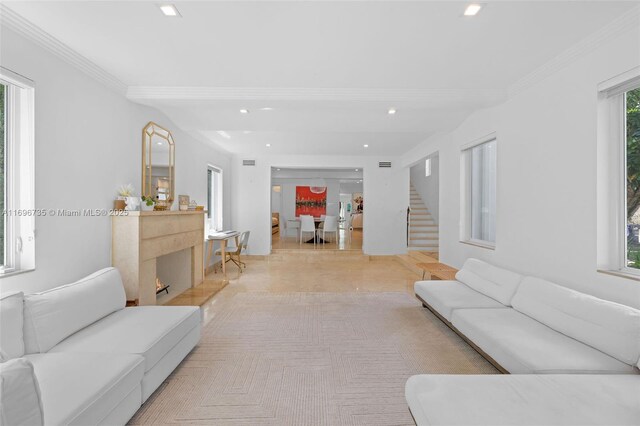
(546, 193)
(88, 142)
(386, 194)
(427, 186)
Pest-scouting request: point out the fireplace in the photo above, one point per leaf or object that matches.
(141, 238)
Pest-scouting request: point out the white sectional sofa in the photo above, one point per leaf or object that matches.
(529, 326)
(94, 360)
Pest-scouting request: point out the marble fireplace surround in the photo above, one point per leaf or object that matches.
(140, 238)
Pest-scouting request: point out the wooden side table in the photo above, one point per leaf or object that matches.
(437, 271)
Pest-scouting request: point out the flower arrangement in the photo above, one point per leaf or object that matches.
(126, 190)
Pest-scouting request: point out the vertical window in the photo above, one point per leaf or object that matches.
(479, 191)
(3, 177)
(17, 237)
(427, 167)
(214, 198)
(631, 133)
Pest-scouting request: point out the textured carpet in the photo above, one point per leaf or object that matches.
(309, 359)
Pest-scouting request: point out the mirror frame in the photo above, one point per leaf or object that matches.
(150, 130)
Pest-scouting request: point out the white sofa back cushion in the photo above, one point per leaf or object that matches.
(11, 321)
(607, 326)
(20, 403)
(496, 283)
(53, 315)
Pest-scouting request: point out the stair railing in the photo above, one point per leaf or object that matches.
(408, 223)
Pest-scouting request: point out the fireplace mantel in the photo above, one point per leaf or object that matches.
(139, 238)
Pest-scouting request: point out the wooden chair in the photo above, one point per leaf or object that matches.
(234, 255)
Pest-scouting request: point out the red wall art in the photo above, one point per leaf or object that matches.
(311, 200)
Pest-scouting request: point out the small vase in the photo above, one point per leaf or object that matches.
(132, 203)
(146, 208)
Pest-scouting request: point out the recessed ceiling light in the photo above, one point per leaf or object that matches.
(391, 111)
(356, 170)
(366, 146)
(472, 9)
(268, 145)
(169, 10)
(267, 109)
(159, 143)
(244, 111)
(278, 169)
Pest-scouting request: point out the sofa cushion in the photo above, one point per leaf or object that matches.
(547, 399)
(54, 315)
(83, 389)
(150, 331)
(497, 283)
(523, 345)
(610, 327)
(11, 324)
(20, 402)
(446, 296)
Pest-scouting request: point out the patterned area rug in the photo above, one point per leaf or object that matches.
(309, 359)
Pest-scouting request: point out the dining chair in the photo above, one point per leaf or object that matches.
(243, 242)
(292, 224)
(348, 226)
(307, 224)
(322, 218)
(330, 226)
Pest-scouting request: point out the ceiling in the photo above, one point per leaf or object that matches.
(329, 71)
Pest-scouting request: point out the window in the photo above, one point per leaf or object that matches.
(17, 238)
(479, 192)
(214, 198)
(631, 134)
(427, 167)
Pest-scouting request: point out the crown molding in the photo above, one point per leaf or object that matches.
(204, 93)
(628, 21)
(25, 28)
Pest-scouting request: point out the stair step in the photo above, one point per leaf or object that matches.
(435, 244)
(434, 250)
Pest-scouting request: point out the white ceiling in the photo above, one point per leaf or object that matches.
(330, 70)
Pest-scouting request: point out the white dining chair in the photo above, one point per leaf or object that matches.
(322, 218)
(307, 224)
(292, 224)
(348, 226)
(330, 226)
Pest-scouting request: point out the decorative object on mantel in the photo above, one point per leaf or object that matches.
(148, 204)
(183, 202)
(193, 205)
(158, 165)
(126, 199)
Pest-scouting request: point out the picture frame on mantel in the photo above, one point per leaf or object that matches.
(183, 202)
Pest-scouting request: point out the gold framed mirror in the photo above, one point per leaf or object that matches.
(158, 165)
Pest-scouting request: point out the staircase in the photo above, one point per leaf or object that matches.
(423, 231)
